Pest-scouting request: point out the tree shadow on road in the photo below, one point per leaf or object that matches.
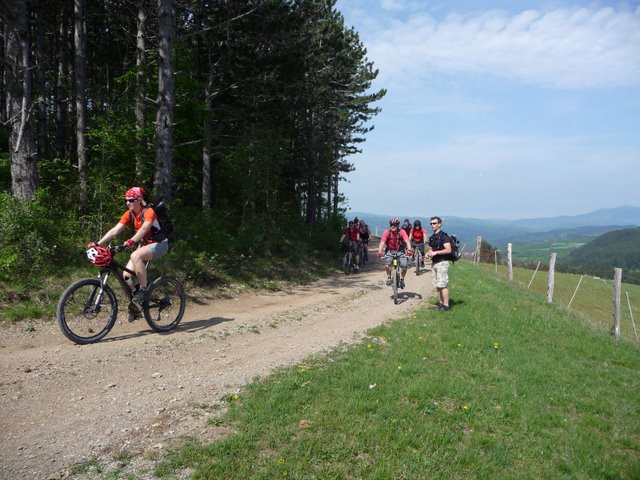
(189, 326)
(195, 325)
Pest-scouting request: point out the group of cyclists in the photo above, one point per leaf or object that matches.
(396, 241)
(355, 237)
(401, 242)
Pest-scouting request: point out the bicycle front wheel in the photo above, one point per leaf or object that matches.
(395, 281)
(87, 312)
(166, 303)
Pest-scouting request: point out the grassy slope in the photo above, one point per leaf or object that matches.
(593, 301)
(503, 386)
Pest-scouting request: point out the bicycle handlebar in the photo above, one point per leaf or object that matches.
(117, 248)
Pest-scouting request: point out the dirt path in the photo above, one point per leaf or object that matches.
(139, 392)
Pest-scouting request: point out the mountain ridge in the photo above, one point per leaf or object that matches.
(526, 230)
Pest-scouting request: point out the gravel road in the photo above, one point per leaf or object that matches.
(137, 392)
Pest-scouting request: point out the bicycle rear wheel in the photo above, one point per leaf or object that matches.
(85, 313)
(166, 303)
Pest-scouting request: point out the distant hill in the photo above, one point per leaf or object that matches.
(578, 228)
(620, 248)
(625, 215)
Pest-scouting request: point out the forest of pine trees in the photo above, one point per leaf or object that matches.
(241, 113)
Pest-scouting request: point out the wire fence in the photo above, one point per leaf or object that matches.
(591, 297)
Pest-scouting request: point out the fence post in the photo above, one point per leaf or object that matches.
(552, 277)
(617, 289)
(495, 259)
(476, 257)
(510, 261)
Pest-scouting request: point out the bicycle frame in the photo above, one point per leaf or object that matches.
(117, 269)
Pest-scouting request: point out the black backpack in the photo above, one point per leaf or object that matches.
(456, 251)
(162, 214)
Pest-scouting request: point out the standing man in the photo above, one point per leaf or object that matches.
(439, 251)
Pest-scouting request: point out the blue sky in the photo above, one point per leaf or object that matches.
(499, 109)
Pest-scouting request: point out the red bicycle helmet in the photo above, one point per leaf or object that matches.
(135, 192)
(99, 256)
(394, 221)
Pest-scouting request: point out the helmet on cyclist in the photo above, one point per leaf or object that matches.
(351, 223)
(99, 256)
(135, 192)
(355, 220)
(394, 221)
(417, 224)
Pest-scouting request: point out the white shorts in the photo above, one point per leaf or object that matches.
(440, 274)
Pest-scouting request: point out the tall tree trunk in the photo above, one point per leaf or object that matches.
(336, 183)
(24, 173)
(141, 56)
(80, 43)
(208, 133)
(311, 159)
(41, 70)
(329, 200)
(166, 99)
(61, 97)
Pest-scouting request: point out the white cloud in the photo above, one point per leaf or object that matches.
(392, 4)
(565, 47)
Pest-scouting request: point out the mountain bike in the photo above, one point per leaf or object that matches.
(365, 252)
(88, 308)
(348, 261)
(418, 258)
(396, 278)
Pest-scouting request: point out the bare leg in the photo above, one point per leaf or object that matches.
(137, 261)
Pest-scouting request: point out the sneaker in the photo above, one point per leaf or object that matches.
(139, 298)
(422, 264)
(402, 284)
(388, 281)
(443, 308)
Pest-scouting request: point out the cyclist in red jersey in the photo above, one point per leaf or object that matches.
(352, 232)
(417, 236)
(153, 243)
(394, 239)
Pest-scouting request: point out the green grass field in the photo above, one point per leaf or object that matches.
(534, 252)
(593, 301)
(502, 386)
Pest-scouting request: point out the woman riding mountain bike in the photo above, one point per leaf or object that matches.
(152, 241)
(417, 237)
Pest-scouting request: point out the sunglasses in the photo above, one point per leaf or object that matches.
(130, 200)
(433, 223)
